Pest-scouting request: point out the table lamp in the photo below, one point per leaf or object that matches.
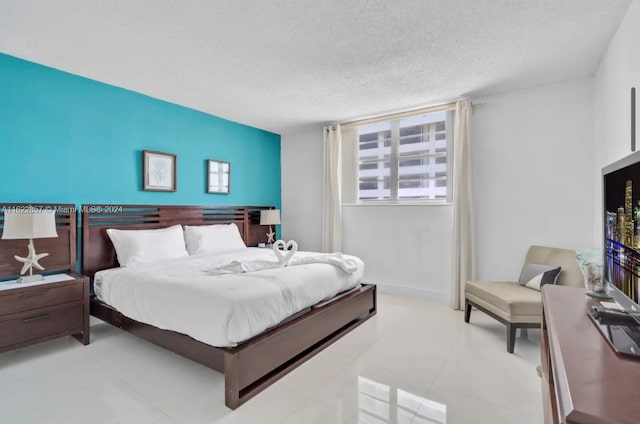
(270, 217)
(29, 225)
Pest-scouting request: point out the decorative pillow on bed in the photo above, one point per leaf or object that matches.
(213, 239)
(134, 247)
(534, 276)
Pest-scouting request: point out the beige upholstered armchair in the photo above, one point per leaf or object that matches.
(514, 304)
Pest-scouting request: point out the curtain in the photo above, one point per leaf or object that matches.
(332, 191)
(462, 258)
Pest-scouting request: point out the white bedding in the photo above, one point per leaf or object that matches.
(182, 295)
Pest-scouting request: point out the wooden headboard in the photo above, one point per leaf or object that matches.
(98, 252)
(61, 249)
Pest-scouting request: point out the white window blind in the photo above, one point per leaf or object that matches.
(405, 159)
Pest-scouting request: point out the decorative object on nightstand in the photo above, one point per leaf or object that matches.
(29, 224)
(270, 217)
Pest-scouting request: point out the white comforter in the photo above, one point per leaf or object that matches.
(188, 295)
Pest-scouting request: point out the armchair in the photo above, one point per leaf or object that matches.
(512, 303)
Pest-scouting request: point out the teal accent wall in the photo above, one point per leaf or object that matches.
(68, 139)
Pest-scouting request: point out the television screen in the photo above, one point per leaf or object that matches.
(621, 184)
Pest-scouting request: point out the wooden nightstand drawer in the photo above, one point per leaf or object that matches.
(40, 297)
(54, 307)
(41, 323)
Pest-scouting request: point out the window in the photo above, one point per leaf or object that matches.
(405, 159)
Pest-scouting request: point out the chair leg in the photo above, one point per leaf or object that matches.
(467, 310)
(511, 337)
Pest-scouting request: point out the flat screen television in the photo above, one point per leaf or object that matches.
(621, 253)
(621, 241)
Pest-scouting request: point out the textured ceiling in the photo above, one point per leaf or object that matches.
(281, 64)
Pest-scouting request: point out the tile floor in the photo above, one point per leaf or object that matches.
(415, 362)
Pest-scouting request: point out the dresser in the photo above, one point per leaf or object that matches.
(35, 312)
(584, 380)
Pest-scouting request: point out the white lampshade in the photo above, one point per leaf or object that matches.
(29, 225)
(270, 217)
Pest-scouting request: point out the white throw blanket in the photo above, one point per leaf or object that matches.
(348, 265)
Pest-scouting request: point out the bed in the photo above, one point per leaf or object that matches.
(251, 365)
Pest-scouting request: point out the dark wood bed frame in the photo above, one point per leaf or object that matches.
(260, 361)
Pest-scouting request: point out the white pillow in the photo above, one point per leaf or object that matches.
(134, 247)
(213, 239)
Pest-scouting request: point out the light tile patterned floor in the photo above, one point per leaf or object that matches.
(415, 362)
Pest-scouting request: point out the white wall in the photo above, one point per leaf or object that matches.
(619, 70)
(406, 249)
(532, 169)
(301, 163)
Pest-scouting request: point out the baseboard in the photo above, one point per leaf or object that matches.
(396, 290)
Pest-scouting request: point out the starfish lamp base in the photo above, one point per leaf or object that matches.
(270, 237)
(30, 278)
(29, 262)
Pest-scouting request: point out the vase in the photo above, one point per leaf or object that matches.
(590, 261)
(593, 281)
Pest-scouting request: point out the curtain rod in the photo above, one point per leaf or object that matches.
(402, 114)
(410, 112)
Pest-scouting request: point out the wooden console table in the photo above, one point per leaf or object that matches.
(584, 381)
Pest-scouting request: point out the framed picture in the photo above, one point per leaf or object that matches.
(218, 176)
(158, 171)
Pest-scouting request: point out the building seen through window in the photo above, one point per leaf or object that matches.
(405, 159)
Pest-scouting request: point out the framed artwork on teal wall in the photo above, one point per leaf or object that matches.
(218, 176)
(159, 171)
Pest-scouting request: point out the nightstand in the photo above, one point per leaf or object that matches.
(43, 310)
